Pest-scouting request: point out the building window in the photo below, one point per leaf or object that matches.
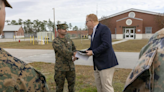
(132, 14)
(148, 30)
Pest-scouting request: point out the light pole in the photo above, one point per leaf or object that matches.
(54, 22)
(81, 36)
(97, 10)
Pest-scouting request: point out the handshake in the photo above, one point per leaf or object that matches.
(84, 53)
(74, 57)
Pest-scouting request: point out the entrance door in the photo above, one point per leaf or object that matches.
(129, 33)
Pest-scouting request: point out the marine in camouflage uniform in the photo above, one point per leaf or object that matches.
(16, 75)
(64, 67)
(148, 75)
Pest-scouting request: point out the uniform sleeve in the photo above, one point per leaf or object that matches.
(62, 50)
(18, 76)
(143, 50)
(73, 47)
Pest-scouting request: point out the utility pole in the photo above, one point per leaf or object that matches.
(81, 35)
(54, 22)
(97, 10)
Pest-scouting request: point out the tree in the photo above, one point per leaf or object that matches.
(20, 22)
(70, 26)
(36, 25)
(50, 25)
(75, 28)
(29, 26)
(160, 20)
(58, 22)
(13, 22)
(24, 26)
(43, 25)
(8, 22)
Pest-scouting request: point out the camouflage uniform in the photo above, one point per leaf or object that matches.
(64, 66)
(17, 76)
(148, 75)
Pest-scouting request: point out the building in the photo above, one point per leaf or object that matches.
(45, 35)
(78, 34)
(132, 24)
(10, 31)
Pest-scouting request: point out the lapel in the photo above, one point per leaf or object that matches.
(95, 31)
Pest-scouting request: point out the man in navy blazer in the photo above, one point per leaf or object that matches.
(104, 58)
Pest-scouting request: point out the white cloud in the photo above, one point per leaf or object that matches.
(75, 11)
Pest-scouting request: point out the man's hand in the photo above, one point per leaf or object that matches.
(74, 54)
(74, 58)
(89, 52)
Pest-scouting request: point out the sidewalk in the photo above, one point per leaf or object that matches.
(116, 42)
(13, 40)
(124, 40)
(125, 59)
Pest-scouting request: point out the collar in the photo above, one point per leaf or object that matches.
(95, 27)
(61, 38)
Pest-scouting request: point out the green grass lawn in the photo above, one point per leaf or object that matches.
(130, 46)
(80, 44)
(84, 77)
(84, 44)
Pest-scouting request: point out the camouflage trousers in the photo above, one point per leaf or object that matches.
(60, 77)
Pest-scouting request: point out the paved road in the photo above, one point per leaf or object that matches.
(13, 40)
(125, 59)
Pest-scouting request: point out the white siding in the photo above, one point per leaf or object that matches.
(119, 36)
(139, 36)
(113, 36)
(147, 36)
(9, 34)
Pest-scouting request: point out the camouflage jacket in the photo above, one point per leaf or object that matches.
(17, 76)
(148, 75)
(64, 48)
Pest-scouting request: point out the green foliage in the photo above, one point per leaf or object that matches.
(32, 26)
(75, 28)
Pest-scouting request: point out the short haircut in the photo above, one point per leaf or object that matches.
(93, 17)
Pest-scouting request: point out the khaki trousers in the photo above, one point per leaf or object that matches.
(103, 79)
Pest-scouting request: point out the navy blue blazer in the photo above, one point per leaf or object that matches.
(104, 56)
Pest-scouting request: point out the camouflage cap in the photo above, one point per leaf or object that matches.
(7, 4)
(62, 26)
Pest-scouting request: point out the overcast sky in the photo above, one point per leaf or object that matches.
(75, 11)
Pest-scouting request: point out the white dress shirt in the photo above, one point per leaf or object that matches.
(94, 30)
